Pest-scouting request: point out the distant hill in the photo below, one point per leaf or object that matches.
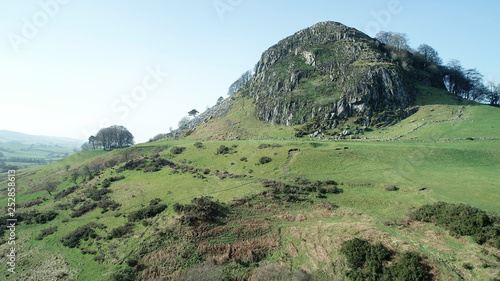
(19, 150)
(21, 138)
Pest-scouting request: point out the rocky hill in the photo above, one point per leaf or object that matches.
(328, 73)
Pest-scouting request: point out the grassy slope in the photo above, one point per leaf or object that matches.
(458, 171)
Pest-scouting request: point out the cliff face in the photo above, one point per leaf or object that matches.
(329, 72)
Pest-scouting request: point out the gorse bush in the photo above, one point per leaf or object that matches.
(121, 231)
(84, 232)
(177, 150)
(36, 217)
(264, 160)
(222, 150)
(367, 263)
(461, 219)
(150, 211)
(65, 192)
(96, 194)
(85, 208)
(202, 209)
(46, 232)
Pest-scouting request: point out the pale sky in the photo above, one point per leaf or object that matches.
(70, 67)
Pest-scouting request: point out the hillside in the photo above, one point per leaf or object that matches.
(239, 193)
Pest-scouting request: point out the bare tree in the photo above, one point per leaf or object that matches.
(240, 83)
(430, 54)
(50, 187)
(397, 40)
(184, 121)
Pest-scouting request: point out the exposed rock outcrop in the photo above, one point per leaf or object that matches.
(331, 72)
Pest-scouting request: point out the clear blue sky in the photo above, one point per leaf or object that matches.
(69, 67)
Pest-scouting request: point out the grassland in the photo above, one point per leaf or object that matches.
(433, 163)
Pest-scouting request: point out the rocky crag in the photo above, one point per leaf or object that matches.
(326, 74)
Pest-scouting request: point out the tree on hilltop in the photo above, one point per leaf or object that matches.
(240, 83)
(193, 112)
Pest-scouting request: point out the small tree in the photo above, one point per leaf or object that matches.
(50, 186)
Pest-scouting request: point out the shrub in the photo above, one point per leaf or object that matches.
(177, 150)
(202, 209)
(106, 203)
(355, 250)
(244, 159)
(96, 194)
(147, 212)
(135, 164)
(84, 232)
(65, 192)
(85, 208)
(116, 178)
(367, 263)
(106, 183)
(46, 232)
(199, 145)
(121, 231)
(461, 219)
(222, 150)
(33, 217)
(409, 268)
(264, 160)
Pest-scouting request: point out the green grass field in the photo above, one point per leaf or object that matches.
(424, 167)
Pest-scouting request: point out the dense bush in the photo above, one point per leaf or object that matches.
(106, 203)
(33, 217)
(158, 163)
(202, 209)
(199, 145)
(116, 178)
(65, 192)
(222, 150)
(84, 232)
(96, 194)
(135, 164)
(85, 208)
(121, 231)
(264, 160)
(461, 219)
(408, 267)
(150, 211)
(367, 263)
(46, 232)
(177, 150)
